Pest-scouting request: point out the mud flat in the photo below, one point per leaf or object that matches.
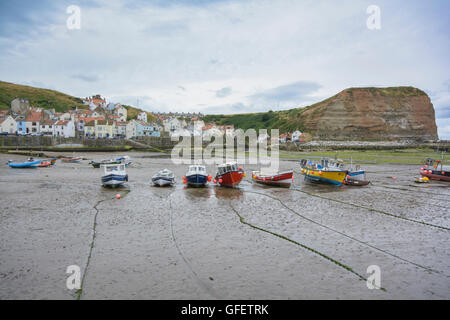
(254, 242)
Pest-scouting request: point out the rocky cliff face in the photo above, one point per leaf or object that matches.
(398, 113)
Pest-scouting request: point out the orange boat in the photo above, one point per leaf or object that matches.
(229, 175)
(44, 164)
(279, 179)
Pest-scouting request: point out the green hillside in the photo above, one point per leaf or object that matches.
(285, 121)
(291, 120)
(38, 97)
(48, 99)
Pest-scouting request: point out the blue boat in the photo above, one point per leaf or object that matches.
(196, 176)
(115, 175)
(29, 164)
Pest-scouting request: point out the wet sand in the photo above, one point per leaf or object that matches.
(254, 242)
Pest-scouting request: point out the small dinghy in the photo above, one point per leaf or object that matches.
(44, 164)
(115, 175)
(422, 180)
(163, 178)
(52, 161)
(124, 159)
(229, 175)
(29, 164)
(71, 160)
(355, 182)
(196, 176)
(279, 179)
(97, 164)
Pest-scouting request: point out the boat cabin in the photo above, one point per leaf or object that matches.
(165, 173)
(114, 168)
(197, 169)
(336, 164)
(227, 167)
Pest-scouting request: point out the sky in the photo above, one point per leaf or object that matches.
(222, 56)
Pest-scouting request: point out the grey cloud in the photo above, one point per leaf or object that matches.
(293, 92)
(86, 77)
(232, 108)
(224, 92)
(443, 112)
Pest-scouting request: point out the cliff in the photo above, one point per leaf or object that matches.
(371, 114)
(397, 113)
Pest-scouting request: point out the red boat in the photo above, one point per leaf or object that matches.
(432, 171)
(280, 179)
(44, 164)
(71, 160)
(229, 175)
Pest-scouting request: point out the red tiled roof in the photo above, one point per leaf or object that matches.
(48, 123)
(34, 117)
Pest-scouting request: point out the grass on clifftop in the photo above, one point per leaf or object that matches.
(43, 98)
(49, 99)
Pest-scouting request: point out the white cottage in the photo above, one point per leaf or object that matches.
(65, 128)
(8, 124)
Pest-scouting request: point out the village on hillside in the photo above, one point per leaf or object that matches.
(108, 120)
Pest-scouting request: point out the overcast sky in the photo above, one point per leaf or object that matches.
(227, 56)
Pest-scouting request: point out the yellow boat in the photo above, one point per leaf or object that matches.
(327, 171)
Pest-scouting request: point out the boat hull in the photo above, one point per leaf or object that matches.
(324, 177)
(282, 179)
(437, 175)
(114, 180)
(230, 179)
(163, 181)
(356, 175)
(44, 164)
(98, 164)
(357, 183)
(33, 164)
(74, 160)
(197, 180)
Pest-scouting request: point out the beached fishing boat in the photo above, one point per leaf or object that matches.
(279, 179)
(354, 182)
(97, 164)
(229, 175)
(196, 176)
(44, 164)
(328, 171)
(356, 176)
(52, 161)
(72, 160)
(28, 164)
(124, 159)
(435, 170)
(164, 178)
(115, 175)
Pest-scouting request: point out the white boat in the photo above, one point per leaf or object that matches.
(115, 175)
(164, 178)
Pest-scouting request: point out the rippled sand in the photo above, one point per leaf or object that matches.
(255, 242)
